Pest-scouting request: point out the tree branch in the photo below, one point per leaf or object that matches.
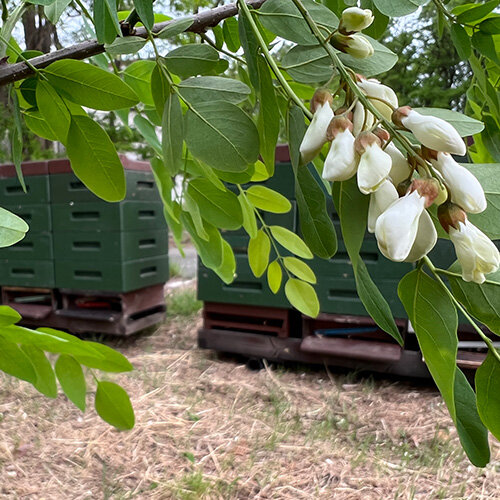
(206, 19)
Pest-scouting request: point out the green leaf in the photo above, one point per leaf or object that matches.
(211, 252)
(274, 276)
(235, 177)
(35, 122)
(55, 9)
(435, 321)
(172, 134)
(481, 301)
(17, 141)
(175, 27)
(160, 89)
(228, 267)
(250, 47)
(302, 296)
(296, 131)
(488, 175)
(70, 376)
(485, 45)
(109, 360)
(284, 19)
(106, 20)
(291, 242)
(94, 159)
(300, 269)
(113, 405)
(471, 431)
(249, 220)
(313, 64)
(192, 59)
(8, 316)
(192, 207)
(14, 362)
(266, 199)
(268, 122)
(138, 76)
(125, 45)
(398, 8)
(147, 130)
(222, 135)
(45, 379)
(53, 110)
(231, 36)
(90, 86)
(465, 125)
(12, 228)
(488, 395)
(316, 224)
(477, 12)
(461, 40)
(28, 90)
(220, 208)
(145, 10)
(258, 253)
(491, 26)
(213, 88)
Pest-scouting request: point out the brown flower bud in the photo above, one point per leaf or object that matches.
(450, 215)
(364, 139)
(399, 114)
(382, 134)
(428, 188)
(319, 98)
(337, 125)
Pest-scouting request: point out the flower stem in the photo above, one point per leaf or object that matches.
(469, 318)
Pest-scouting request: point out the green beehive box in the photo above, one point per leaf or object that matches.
(37, 190)
(29, 273)
(34, 246)
(113, 276)
(37, 216)
(110, 245)
(100, 216)
(68, 188)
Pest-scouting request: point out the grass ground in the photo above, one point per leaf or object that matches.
(209, 428)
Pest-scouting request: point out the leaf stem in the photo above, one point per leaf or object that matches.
(19, 54)
(435, 271)
(270, 60)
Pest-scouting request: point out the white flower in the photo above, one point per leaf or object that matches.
(374, 163)
(355, 19)
(431, 131)
(400, 169)
(315, 135)
(425, 239)
(476, 253)
(465, 190)
(373, 88)
(380, 200)
(396, 228)
(355, 45)
(341, 162)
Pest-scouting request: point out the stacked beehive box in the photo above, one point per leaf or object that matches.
(90, 260)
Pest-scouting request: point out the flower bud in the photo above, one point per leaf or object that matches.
(476, 253)
(355, 19)
(380, 200)
(400, 169)
(355, 45)
(450, 215)
(396, 229)
(315, 135)
(428, 188)
(374, 164)
(432, 132)
(373, 88)
(341, 162)
(465, 190)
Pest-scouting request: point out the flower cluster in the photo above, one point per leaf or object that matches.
(402, 188)
(348, 39)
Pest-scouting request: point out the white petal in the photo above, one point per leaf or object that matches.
(396, 229)
(434, 133)
(465, 190)
(358, 119)
(373, 88)
(425, 239)
(380, 200)
(374, 167)
(315, 135)
(400, 169)
(341, 162)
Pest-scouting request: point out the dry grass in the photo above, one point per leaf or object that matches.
(211, 428)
